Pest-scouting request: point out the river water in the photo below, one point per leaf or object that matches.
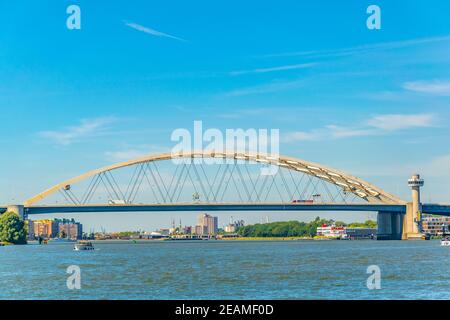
(228, 270)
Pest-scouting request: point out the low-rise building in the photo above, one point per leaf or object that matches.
(433, 225)
(200, 230)
(331, 231)
(360, 233)
(233, 226)
(230, 228)
(69, 229)
(30, 229)
(187, 230)
(334, 232)
(164, 231)
(45, 228)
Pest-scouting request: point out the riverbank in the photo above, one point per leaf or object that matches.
(198, 240)
(3, 244)
(266, 239)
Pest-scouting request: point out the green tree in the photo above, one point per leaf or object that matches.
(340, 224)
(368, 224)
(294, 228)
(12, 229)
(281, 229)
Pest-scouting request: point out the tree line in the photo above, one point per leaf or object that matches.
(295, 228)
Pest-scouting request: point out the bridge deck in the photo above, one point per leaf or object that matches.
(427, 208)
(214, 207)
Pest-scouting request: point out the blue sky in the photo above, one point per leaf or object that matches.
(374, 103)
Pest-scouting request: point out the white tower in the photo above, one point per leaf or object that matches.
(415, 183)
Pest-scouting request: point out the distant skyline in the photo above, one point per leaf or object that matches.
(373, 103)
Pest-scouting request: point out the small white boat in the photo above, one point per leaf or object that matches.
(83, 246)
(445, 241)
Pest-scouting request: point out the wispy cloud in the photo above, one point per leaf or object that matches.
(435, 87)
(135, 152)
(377, 125)
(123, 155)
(387, 95)
(392, 122)
(340, 132)
(274, 69)
(362, 48)
(312, 135)
(235, 114)
(86, 128)
(152, 32)
(267, 88)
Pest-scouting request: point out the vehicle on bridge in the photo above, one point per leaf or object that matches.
(303, 201)
(117, 202)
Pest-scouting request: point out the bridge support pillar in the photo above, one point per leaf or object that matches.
(19, 209)
(389, 226)
(411, 222)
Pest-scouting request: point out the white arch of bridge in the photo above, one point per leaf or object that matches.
(347, 182)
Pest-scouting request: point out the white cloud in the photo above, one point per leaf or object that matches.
(125, 154)
(86, 128)
(274, 69)
(436, 87)
(267, 88)
(338, 132)
(392, 122)
(251, 112)
(152, 32)
(136, 152)
(363, 48)
(303, 136)
(377, 125)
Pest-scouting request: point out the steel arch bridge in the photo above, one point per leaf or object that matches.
(213, 178)
(228, 181)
